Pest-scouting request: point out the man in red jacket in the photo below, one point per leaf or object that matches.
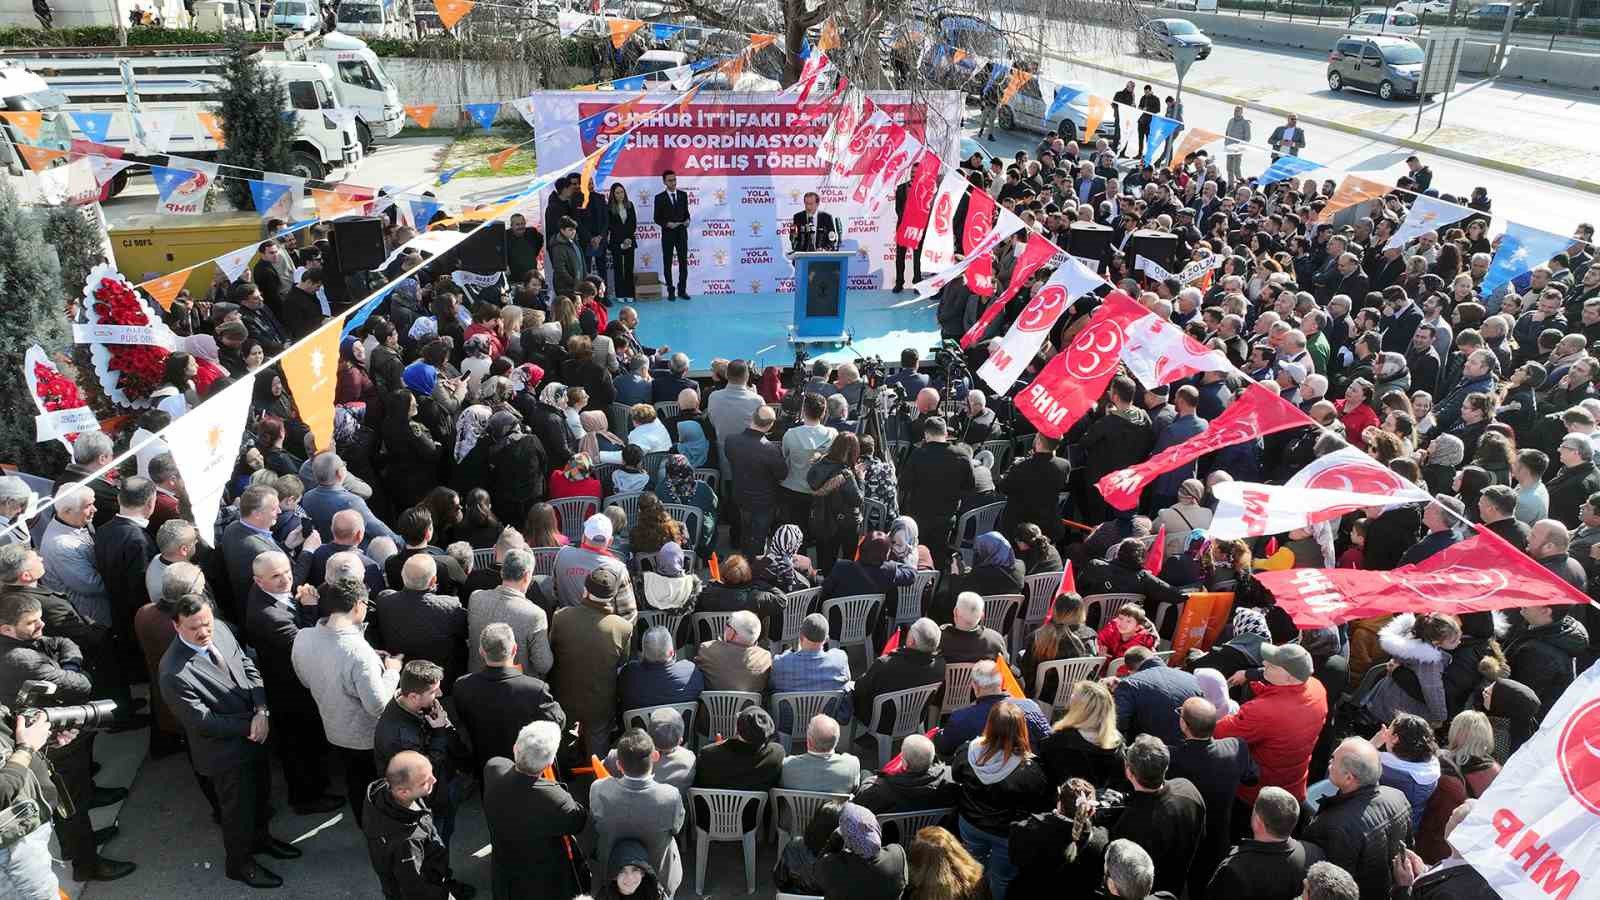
(1281, 722)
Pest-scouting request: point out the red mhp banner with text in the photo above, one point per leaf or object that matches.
(1072, 382)
(1035, 253)
(1258, 411)
(1478, 574)
(980, 218)
(919, 201)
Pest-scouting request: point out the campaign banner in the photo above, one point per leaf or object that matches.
(1009, 356)
(1072, 382)
(746, 161)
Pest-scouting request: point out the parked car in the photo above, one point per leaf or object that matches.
(1383, 21)
(1386, 65)
(224, 15)
(297, 15)
(1027, 111)
(1496, 12)
(1157, 37)
(907, 42)
(1418, 7)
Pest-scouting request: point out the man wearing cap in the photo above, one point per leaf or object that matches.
(574, 564)
(1281, 721)
(1289, 378)
(748, 760)
(591, 641)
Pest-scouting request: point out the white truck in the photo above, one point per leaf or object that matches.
(183, 80)
(359, 80)
(376, 18)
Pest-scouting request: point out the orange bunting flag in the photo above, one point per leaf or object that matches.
(1193, 139)
(733, 68)
(1019, 77)
(213, 126)
(497, 161)
(1008, 680)
(1098, 107)
(957, 55)
(716, 568)
(38, 158)
(1352, 190)
(164, 289)
(549, 772)
(422, 114)
(30, 121)
(1158, 551)
(332, 204)
(622, 29)
(584, 87)
(757, 41)
(311, 370)
(829, 40)
(452, 11)
(600, 773)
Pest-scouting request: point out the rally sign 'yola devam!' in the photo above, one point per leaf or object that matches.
(1535, 833)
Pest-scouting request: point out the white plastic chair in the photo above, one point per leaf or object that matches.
(1107, 606)
(721, 816)
(909, 706)
(792, 811)
(1166, 613)
(712, 477)
(1068, 673)
(957, 688)
(900, 828)
(571, 513)
(669, 619)
(855, 613)
(639, 717)
(722, 710)
(913, 598)
(544, 559)
(802, 706)
(621, 423)
(666, 409)
(1002, 455)
(875, 515)
(482, 558)
(1041, 590)
(701, 623)
(1001, 611)
(691, 518)
(795, 606)
(629, 503)
(973, 523)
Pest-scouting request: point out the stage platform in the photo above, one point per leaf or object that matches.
(756, 327)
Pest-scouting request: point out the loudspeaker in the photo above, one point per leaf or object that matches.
(1156, 246)
(1089, 240)
(483, 252)
(356, 244)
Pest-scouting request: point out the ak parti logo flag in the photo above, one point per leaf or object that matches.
(311, 369)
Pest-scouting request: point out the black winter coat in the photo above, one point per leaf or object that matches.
(1541, 657)
(992, 808)
(1361, 832)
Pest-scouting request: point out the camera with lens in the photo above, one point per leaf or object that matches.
(89, 716)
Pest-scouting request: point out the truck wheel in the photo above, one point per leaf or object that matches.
(364, 135)
(1068, 130)
(304, 165)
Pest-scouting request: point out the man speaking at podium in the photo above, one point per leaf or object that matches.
(813, 230)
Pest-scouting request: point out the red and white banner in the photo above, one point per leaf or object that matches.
(981, 211)
(919, 201)
(873, 130)
(847, 116)
(1532, 834)
(1478, 574)
(815, 65)
(1012, 353)
(1159, 352)
(1007, 225)
(886, 164)
(811, 107)
(939, 249)
(1348, 469)
(1035, 253)
(1072, 382)
(1330, 486)
(1256, 412)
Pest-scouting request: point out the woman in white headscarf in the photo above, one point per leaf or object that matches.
(904, 546)
(469, 427)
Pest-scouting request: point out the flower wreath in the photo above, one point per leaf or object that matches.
(51, 390)
(128, 372)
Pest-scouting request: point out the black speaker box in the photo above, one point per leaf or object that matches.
(484, 250)
(1156, 246)
(356, 244)
(1089, 240)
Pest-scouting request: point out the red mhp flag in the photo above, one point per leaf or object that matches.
(1478, 574)
(1035, 253)
(980, 218)
(1068, 585)
(1257, 412)
(1158, 551)
(892, 644)
(1159, 352)
(1072, 382)
(898, 764)
(919, 201)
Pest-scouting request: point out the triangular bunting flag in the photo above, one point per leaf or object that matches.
(205, 445)
(1153, 559)
(213, 126)
(423, 210)
(663, 31)
(568, 22)
(715, 567)
(165, 288)
(757, 41)
(447, 174)
(155, 129)
(1008, 680)
(311, 371)
(622, 29)
(94, 125)
(422, 113)
(332, 204)
(1352, 190)
(1098, 107)
(29, 121)
(829, 39)
(482, 114)
(1193, 139)
(266, 196)
(451, 11)
(1068, 585)
(1019, 77)
(524, 108)
(233, 264)
(497, 161)
(892, 644)
(631, 83)
(38, 158)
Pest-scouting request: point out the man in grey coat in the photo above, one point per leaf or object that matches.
(639, 807)
(1238, 134)
(509, 603)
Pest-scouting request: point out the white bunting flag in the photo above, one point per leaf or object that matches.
(569, 22)
(1011, 355)
(1006, 224)
(233, 264)
(1426, 214)
(155, 129)
(938, 247)
(524, 108)
(106, 168)
(679, 76)
(205, 444)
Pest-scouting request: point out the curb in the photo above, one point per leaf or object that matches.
(1582, 184)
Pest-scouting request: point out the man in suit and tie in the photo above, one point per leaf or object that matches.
(672, 217)
(249, 537)
(813, 229)
(216, 692)
(1088, 187)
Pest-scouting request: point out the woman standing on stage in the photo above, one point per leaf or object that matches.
(623, 239)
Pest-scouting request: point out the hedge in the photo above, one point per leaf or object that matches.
(106, 36)
(576, 51)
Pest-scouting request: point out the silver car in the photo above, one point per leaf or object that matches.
(1027, 111)
(1385, 65)
(1157, 37)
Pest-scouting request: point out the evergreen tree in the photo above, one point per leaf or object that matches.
(78, 244)
(257, 134)
(35, 313)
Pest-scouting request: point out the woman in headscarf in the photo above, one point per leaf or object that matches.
(793, 873)
(549, 423)
(599, 443)
(771, 385)
(575, 479)
(995, 570)
(475, 364)
(1242, 650)
(677, 484)
(208, 360)
(904, 546)
(782, 568)
(859, 866)
(667, 585)
(411, 455)
(878, 479)
(516, 466)
(692, 443)
(1214, 685)
(355, 443)
(1444, 455)
(354, 384)
(471, 451)
(469, 428)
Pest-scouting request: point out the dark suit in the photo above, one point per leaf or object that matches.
(822, 234)
(531, 822)
(672, 208)
(494, 704)
(122, 549)
(240, 546)
(215, 706)
(1032, 488)
(931, 485)
(421, 625)
(734, 765)
(270, 628)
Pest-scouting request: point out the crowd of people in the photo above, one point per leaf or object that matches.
(486, 583)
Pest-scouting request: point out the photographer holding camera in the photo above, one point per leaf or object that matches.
(27, 655)
(28, 797)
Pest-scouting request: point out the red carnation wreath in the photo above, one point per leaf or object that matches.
(128, 372)
(52, 391)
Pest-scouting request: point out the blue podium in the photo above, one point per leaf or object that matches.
(820, 279)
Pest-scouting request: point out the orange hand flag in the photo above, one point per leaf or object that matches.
(30, 121)
(1193, 139)
(422, 113)
(1008, 680)
(757, 41)
(1158, 552)
(716, 570)
(600, 773)
(311, 370)
(549, 772)
(1272, 547)
(829, 39)
(164, 289)
(38, 158)
(213, 127)
(1352, 190)
(1098, 107)
(1019, 77)
(332, 204)
(498, 161)
(452, 11)
(622, 29)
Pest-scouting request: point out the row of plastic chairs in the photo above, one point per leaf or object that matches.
(621, 424)
(544, 559)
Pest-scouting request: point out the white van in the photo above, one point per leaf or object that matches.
(224, 15)
(360, 81)
(376, 18)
